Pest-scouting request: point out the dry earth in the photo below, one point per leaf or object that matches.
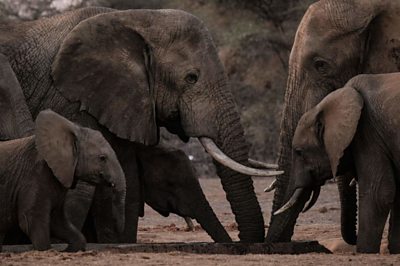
(320, 223)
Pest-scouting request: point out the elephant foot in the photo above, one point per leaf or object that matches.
(75, 248)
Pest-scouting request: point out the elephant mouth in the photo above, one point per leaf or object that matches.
(257, 169)
(173, 125)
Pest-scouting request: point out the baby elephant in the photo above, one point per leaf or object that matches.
(36, 171)
(355, 129)
(171, 186)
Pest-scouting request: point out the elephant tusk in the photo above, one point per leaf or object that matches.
(296, 195)
(189, 223)
(259, 164)
(220, 157)
(271, 187)
(353, 182)
(314, 198)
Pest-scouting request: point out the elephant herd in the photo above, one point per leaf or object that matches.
(113, 78)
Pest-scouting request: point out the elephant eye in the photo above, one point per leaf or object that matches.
(103, 158)
(298, 152)
(191, 78)
(322, 66)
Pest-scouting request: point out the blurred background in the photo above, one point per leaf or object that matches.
(254, 39)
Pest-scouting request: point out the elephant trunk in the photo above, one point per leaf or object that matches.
(238, 187)
(118, 202)
(206, 217)
(348, 207)
(282, 225)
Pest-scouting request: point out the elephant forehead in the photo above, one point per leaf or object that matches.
(94, 141)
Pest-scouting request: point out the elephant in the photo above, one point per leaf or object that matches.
(37, 171)
(335, 41)
(355, 129)
(126, 74)
(170, 185)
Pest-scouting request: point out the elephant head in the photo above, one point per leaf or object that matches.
(73, 152)
(321, 141)
(138, 70)
(336, 40)
(170, 185)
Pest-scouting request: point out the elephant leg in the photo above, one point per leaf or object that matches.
(64, 230)
(394, 226)
(16, 120)
(37, 227)
(376, 196)
(78, 202)
(2, 235)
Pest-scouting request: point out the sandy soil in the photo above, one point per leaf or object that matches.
(320, 223)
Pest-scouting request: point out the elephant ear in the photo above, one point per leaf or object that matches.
(340, 112)
(56, 142)
(107, 67)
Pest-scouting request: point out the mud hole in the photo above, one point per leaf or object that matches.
(320, 223)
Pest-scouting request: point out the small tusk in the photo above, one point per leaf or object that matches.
(353, 182)
(315, 195)
(259, 164)
(220, 157)
(189, 223)
(271, 187)
(296, 195)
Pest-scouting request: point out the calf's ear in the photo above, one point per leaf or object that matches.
(340, 113)
(56, 142)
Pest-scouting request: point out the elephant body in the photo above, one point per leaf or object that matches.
(355, 130)
(335, 41)
(127, 73)
(37, 171)
(171, 186)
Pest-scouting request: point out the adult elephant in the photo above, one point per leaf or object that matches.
(126, 73)
(336, 40)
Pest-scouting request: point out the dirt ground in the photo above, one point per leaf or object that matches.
(320, 223)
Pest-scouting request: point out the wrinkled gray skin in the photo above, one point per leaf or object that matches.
(171, 186)
(336, 40)
(37, 171)
(356, 129)
(148, 68)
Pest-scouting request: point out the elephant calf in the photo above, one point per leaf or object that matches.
(36, 172)
(171, 186)
(355, 131)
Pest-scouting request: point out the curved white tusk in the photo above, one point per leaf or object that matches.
(220, 157)
(271, 187)
(315, 195)
(259, 164)
(296, 195)
(353, 182)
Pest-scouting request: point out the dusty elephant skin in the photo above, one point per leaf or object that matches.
(355, 129)
(37, 171)
(148, 68)
(335, 41)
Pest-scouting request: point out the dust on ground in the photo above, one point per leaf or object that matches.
(320, 223)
